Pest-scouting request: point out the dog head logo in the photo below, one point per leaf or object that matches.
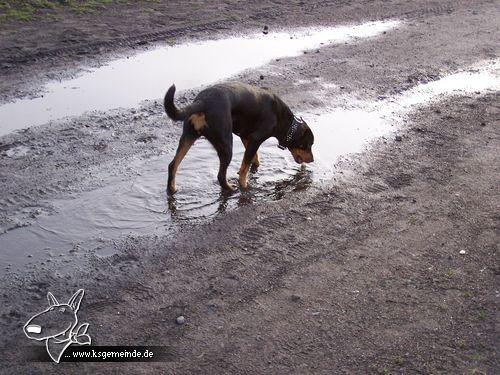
(58, 326)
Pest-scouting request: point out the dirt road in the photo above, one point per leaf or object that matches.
(390, 267)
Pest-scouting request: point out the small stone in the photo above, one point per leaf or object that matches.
(309, 218)
(462, 252)
(180, 320)
(266, 30)
(483, 123)
(261, 77)
(342, 87)
(295, 298)
(101, 146)
(398, 138)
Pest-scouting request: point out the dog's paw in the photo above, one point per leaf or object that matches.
(171, 190)
(229, 187)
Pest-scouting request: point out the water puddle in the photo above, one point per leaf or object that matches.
(481, 77)
(128, 81)
(140, 205)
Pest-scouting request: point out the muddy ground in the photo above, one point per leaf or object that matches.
(372, 282)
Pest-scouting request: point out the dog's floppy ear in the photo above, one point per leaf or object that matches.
(74, 301)
(52, 300)
(302, 129)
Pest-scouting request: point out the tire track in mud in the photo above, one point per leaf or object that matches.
(329, 11)
(293, 252)
(116, 43)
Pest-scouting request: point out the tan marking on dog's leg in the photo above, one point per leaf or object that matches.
(243, 174)
(198, 121)
(181, 152)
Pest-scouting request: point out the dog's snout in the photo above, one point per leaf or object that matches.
(308, 157)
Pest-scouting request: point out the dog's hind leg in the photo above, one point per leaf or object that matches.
(185, 144)
(225, 153)
(219, 133)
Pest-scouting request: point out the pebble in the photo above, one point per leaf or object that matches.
(180, 320)
(462, 252)
(398, 138)
(261, 77)
(266, 29)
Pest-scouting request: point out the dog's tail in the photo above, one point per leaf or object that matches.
(172, 111)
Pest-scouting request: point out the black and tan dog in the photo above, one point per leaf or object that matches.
(251, 113)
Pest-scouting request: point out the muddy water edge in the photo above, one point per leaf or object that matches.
(89, 224)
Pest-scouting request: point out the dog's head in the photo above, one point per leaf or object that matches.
(301, 143)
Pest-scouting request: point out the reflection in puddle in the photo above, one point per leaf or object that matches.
(141, 206)
(128, 81)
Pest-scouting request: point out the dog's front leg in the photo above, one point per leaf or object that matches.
(255, 160)
(250, 153)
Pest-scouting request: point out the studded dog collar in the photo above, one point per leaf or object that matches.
(283, 144)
